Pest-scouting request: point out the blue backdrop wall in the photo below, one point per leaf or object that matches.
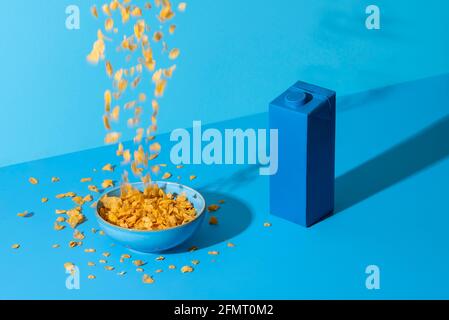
(235, 57)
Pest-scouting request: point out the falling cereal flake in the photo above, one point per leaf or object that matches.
(193, 248)
(230, 245)
(109, 24)
(94, 11)
(89, 250)
(267, 224)
(125, 256)
(174, 53)
(172, 266)
(121, 273)
(102, 261)
(221, 201)
(192, 178)
(172, 29)
(213, 253)
(33, 180)
(55, 246)
(55, 179)
(147, 279)
(196, 262)
(106, 254)
(109, 268)
(15, 246)
(139, 270)
(157, 36)
(182, 6)
(112, 137)
(91, 276)
(44, 200)
(159, 271)
(160, 258)
(186, 269)
(90, 264)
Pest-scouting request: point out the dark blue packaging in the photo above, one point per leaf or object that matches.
(302, 190)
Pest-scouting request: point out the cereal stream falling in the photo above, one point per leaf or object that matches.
(127, 65)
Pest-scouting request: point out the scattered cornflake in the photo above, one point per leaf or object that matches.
(121, 273)
(93, 188)
(106, 254)
(44, 200)
(186, 269)
(78, 200)
(182, 6)
(267, 224)
(86, 179)
(125, 256)
(55, 246)
(231, 245)
(101, 233)
(60, 219)
(192, 177)
(107, 183)
(89, 250)
(109, 24)
(103, 261)
(172, 266)
(213, 207)
(174, 53)
(179, 166)
(213, 253)
(60, 211)
(91, 276)
(109, 268)
(25, 214)
(139, 263)
(33, 180)
(15, 246)
(75, 217)
(172, 28)
(55, 179)
(73, 244)
(221, 201)
(160, 258)
(78, 235)
(88, 198)
(193, 248)
(166, 175)
(159, 270)
(195, 262)
(58, 227)
(108, 167)
(93, 230)
(213, 220)
(90, 264)
(147, 279)
(139, 270)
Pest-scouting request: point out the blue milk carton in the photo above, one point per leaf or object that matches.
(302, 190)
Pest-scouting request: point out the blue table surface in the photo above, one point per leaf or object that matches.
(392, 210)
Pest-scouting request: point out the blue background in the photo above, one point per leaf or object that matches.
(236, 56)
(392, 167)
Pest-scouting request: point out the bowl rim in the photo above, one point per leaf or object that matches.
(199, 214)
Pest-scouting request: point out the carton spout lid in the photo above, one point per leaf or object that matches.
(295, 98)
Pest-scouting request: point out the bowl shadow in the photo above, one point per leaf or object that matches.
(233, 218)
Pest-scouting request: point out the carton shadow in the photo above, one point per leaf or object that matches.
(233, 218)
(420, 151)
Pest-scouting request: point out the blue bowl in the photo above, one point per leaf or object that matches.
(159, 240)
